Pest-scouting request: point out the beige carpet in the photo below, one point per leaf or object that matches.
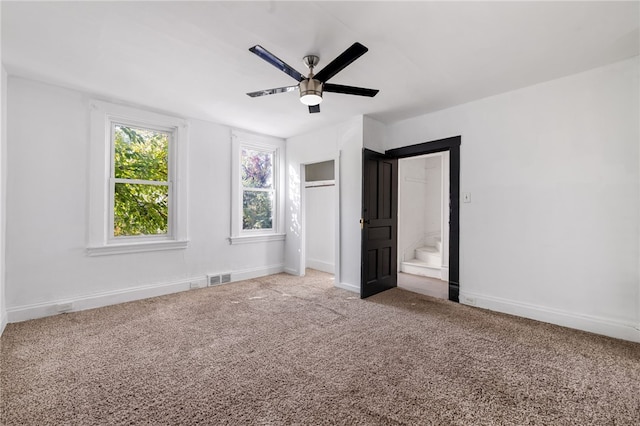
(285, 350)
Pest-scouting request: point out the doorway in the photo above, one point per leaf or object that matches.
(320, 224)
(423, 224)
(369, 280)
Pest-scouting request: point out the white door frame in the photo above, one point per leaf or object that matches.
(303, 216)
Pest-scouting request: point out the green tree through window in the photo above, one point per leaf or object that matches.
(258, 191)
(141, 181)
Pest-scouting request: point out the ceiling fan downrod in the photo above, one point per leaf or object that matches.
(310, 88)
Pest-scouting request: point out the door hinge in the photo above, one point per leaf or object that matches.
(361, 223)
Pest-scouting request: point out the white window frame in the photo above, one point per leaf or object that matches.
(101, 241)
(242, 140)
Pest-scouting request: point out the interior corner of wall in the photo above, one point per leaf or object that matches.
(292, 271)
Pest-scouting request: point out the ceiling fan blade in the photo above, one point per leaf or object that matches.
(272, 91)
(314, 108)
(349, 90)
(338, 64)
(276, 62)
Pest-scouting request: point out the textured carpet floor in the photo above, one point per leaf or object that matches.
(285, 350)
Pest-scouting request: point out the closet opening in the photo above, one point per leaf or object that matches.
(320, 216)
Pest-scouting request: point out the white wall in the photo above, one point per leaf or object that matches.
(433, 210)
(412, 202)
(342, 143)
(374, 134)
(3, 192)
(420, 202)
(553, 170)
(320, 227)
(446, 190)
(47, 213)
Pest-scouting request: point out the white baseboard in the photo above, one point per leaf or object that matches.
(247, 274)
(444, 273)
(291, 271)
(98, 300)
(598, 325)
(3, 322)
(320, 265)
(349, 287)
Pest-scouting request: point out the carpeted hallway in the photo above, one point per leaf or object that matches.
(290, 350)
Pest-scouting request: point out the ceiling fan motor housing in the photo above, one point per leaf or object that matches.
(310, 91)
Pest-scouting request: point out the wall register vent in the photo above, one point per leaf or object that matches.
(218, 279)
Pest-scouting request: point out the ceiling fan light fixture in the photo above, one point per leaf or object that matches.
(310, 91)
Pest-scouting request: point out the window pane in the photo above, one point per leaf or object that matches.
(257, 207)
(140, 209)
(140, 153)
(257, 169)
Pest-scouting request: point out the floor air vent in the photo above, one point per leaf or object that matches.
(218, 279)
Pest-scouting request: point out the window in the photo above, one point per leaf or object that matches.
(140, 181)
(258, 191)
(137, 197)
(257, 205)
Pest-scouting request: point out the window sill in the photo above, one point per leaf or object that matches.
(138, 247)
(250, 239)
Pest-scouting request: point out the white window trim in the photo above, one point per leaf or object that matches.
(239, 140)
(100, 235)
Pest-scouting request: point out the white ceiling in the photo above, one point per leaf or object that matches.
(192, 58)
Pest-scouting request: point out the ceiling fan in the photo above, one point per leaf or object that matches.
(312, 87)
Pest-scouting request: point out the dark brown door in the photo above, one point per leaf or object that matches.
(380, 223)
